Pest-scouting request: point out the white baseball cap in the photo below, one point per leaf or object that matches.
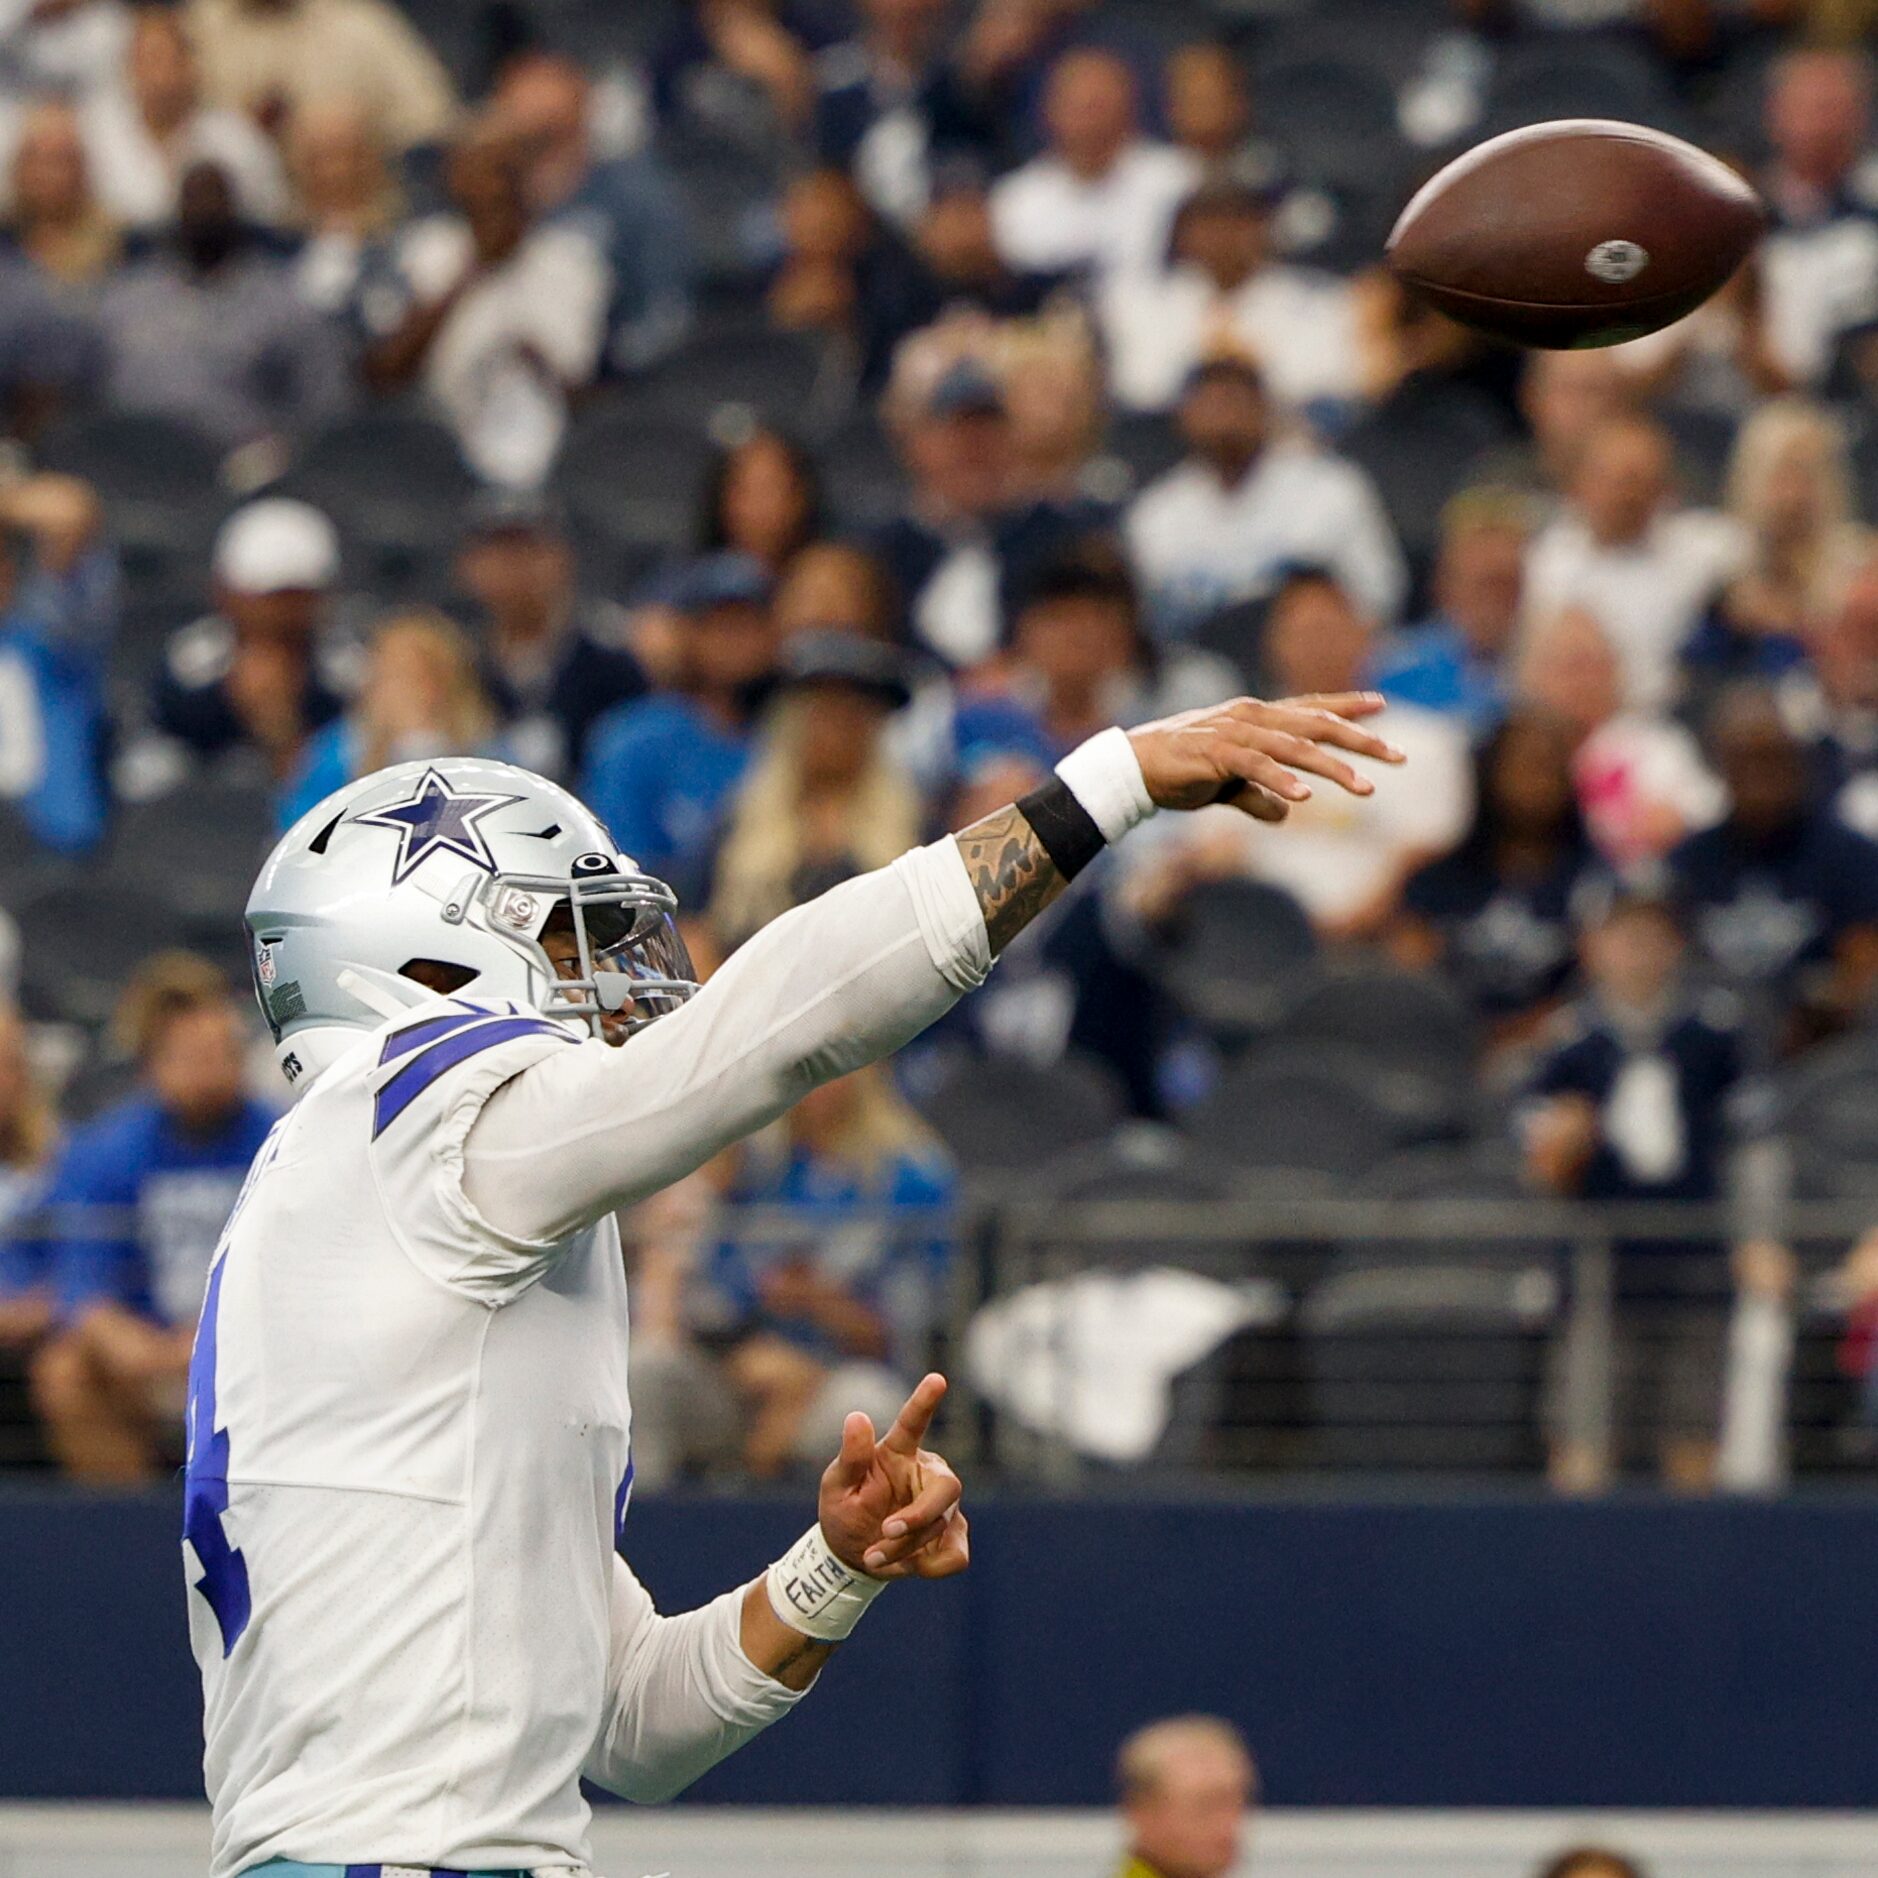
(277, 545)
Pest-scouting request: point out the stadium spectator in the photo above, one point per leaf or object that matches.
(624, 204)
(1053, 392)
(61, 48)
(1208, 107)
(1790, 492)
(824, 798)
(420, 697)
(872, 114)
(990, 95)
(347, 201)
(830, 1285)
(1247, 503)
(135, 1206)
(1563, 397)
(1782, 895)
(967, 540)
(143, 133)
(762, 498)
(1647, 569)
(28, 1130)
(660, 769)
(497, 315)
(1103, 196)
(1642, 781)
(1189, 1789)
(1719, 359)
(57, 222)
(208, 329)
(743, 69)
(948, 261)
(830, 241)
(1835, 698)
(1456, 662)
(553, 662)
(1346, 869)
(1628, 1102)
(257, 673)
(836, 586)
(1221, 287)
(1080, 661)
(58, 615)
(1496, 915)
(271, 58)
(1590, 1861)
(1819, 264)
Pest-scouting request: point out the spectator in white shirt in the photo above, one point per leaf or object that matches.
(349, 203)
(1102, 196)
(1648, 570)
(142, 134)
(1345, 861)
(1820, 263)
(1221, 527)
(1221, 289)
(500, 319)
(1641, 780)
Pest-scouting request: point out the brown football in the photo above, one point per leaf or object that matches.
(1581, 232)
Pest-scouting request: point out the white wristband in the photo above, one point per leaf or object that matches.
(1104, 775)
(812, 1591)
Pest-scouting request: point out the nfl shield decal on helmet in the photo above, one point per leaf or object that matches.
(436, 819)
(264, 967)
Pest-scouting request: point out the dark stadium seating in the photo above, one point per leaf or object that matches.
(634, 477)
(1003, 1118)
(1312, 1115)
(1234, 955)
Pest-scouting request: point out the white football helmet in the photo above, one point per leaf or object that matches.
(456, 864)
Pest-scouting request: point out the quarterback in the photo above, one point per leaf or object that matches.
(409, 1431)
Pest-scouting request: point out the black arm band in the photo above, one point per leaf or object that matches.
(1067, 830)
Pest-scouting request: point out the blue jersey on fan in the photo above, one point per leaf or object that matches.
(135, 1206)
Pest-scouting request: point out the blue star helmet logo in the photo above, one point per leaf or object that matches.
(437, 820)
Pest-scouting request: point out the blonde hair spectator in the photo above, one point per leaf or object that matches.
(28, 1120)
(55, 215)
(167, 985)
(422, 694)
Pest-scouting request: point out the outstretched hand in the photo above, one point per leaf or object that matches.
(1247, 753)
(890, 1507)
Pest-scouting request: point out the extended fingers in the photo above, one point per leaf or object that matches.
(1300, 753)
(910, 1425)
(856, 1458)
(1317, 721)
(921, 1520)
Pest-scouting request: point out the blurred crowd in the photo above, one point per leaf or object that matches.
(796, 424)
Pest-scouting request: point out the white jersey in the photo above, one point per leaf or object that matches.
(410, 1436)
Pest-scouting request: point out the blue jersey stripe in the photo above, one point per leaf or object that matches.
(458, 1047)
(224, 1580)
(415, 1036)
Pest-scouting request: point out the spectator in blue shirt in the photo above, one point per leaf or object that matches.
(134, 1209)
(626, 205)
(828, 1289)
(1629, 1103)
(1783, 896)
(58, 615)
(661, 769)
(28, 1125)
(1496, 914)
(1456, 662)
(422, 697)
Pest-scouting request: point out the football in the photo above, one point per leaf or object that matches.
(1580, 232)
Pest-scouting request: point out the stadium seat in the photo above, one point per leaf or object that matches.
(1826, 1106)
(862, 477)
(1333, 116)
(1416, 1037)
(1418, 449)
(159, 481)
(1146, 443)
(74, 963)
(1313, 1116)
(197, 848)
(1703, 441)
(1232, 959)
(1577, 75)
(719, 380)
(729, 195)
(635, 477)
(1003, 1117)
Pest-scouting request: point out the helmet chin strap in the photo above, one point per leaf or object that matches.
(383, 993)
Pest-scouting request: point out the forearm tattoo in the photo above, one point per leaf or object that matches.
(1010, 872)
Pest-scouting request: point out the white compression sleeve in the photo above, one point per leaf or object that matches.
(680, 1696)
(840, 982)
